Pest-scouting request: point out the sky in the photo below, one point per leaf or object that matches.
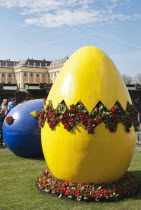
(53, 29)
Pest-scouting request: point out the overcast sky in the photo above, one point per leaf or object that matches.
(53, 29)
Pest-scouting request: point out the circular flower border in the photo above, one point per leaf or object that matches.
(125, 187)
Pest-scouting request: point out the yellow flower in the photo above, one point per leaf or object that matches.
(34, 113)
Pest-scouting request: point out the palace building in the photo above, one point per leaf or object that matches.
(34, 78)
(29, 77)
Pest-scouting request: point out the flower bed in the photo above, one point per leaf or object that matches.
(120, 189)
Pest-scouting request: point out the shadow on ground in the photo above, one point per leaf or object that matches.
(137, 174)
(3, 146)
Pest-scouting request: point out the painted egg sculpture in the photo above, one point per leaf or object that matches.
(22, 136)
(88, 76)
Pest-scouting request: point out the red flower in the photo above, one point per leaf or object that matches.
(59, 182)
(104, 192)
(112, 117)
(125, 188)
(50, 186)
(62, 189)
(66, 115)
(41, 114)
(56, 188)
(43, 184)
(72, 110)
(77, 192)
(113, 109)
(66, 183)
(90, 121)
(96, 194)
(74, 185)
(123, 119)
(84, 185)
(67, 126)
(9, 120)
(86, 193)
(52, 124)
(40, 125)
(90, 129)
(131, 115)
(68, 192)
(111, 128)
(70, 120)
(119, 192)
(115, 122)
(99, 120)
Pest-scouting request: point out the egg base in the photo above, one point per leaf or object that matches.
(126, 186)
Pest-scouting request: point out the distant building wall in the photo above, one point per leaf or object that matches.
(7, 75)
(29, 71)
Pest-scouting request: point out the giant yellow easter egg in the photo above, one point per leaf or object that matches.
(88, 76)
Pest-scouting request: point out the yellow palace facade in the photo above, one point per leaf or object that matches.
(27, 76)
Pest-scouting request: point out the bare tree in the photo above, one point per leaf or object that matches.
(127, 79)
(137, 78)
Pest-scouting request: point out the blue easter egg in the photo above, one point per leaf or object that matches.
(22, 136)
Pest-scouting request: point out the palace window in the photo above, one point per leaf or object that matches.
(9, 75)
(3, 74)
(25, 74)
(31, 74)
(37, 75)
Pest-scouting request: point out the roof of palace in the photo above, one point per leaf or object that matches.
(34, 62)
(58, 62)
(7, 63)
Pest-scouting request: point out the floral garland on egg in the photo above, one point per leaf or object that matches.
(79, 114)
